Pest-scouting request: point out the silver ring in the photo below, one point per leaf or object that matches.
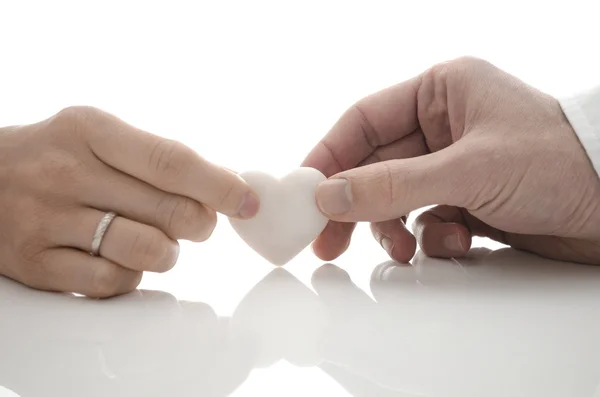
(100, 230)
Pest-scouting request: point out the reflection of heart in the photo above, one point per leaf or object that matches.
(283, 318)
(288, 219)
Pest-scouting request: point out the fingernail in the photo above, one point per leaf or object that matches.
(388, 245)
(334, 196)
(249, 207)
(453, 242)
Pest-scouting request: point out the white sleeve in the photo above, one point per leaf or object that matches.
(583, 112)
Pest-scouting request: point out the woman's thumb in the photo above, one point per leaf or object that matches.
(391, 189)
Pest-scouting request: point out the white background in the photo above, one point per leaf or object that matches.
(255, 84)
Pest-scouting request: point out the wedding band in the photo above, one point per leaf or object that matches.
(100, 230)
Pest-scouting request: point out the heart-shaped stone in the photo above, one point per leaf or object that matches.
(288, 219)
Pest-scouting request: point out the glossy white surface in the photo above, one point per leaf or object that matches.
(500, 323)
(288, 219)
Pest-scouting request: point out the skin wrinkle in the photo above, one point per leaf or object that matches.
(593, 209)
(465, 222)
(174, 210)
(582, 211)
(510, 192)
(377, 155)
(226, 194)
(164, 163)
(147, 251)
(482, 197)
(390, 184)
(332, 155)
(369, 133)
(134, 246)
(432, 105)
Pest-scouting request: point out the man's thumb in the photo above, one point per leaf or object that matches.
(391, 189)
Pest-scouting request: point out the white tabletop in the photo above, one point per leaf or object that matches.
(224, 322)
(253, 86)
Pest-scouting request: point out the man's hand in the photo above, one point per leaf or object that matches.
(498, 157)
(60, 176)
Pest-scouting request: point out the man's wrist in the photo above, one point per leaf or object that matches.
(583, 113)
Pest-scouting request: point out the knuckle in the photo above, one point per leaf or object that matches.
(170, 160)
(182, 217)
(106, 281)
(426, 236)
(75, 118)
(358, 113)
(468, 61)
(456, 70)
(133, 281)
(152, 250)
(375, 231)
(31, 252)
(207, 226)
(230, 194)
(418, 225)
(388, 185)
(128, 281)
(462, 63)
(227, 193)
(172, 211)
(77, 113)
(67, 116)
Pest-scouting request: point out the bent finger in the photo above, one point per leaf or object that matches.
(70, 270)
(442, 232)
(180, 217)
(130, 244)
(374, 121)
(333, 241)
(395, 239)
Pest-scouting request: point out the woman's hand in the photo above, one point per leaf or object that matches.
(499, 157)
(59, 177)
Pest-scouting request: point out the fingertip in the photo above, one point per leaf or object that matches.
(326, 251)
(404, 249)
(334, 197)
(395, 239)
(249, 206)
(205, 227)
(333, 241)
(456, 243)
(401, 248)
(445, 240)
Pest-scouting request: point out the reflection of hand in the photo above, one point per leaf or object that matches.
(284, 319)
(145, 343)
(428, 328)
(367, 342)
(58, 178)
(469, 328)
(499, 155)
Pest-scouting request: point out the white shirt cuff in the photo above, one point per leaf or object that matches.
(583, 112)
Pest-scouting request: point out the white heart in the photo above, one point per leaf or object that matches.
(288, 219)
